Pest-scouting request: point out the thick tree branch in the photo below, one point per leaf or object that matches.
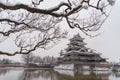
(35, 10)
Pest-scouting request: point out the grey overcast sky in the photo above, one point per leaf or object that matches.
(107, 43)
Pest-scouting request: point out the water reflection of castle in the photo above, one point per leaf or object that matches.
(77, 56)
(60, 75)
(84, 75)
(38, 74)
(32, 74)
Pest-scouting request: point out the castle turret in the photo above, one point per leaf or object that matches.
(76, 43)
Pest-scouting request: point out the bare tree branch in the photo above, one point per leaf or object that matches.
(36, 28)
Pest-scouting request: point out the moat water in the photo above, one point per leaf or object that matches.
(39, 74)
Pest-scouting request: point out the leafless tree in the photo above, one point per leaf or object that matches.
(49, 60)
(5, 61)
(28, 58)
(37, 27)
(38, 60)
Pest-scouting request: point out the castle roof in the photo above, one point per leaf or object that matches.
(77, 37)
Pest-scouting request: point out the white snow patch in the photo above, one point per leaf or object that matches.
(65, 66)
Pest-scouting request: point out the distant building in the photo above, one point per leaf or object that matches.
(77, 56)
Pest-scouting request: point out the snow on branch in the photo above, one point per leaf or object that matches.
(36, 27)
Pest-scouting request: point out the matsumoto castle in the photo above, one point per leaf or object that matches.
(79, 57)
